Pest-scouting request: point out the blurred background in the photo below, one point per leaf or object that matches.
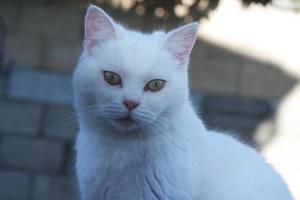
(245, 72)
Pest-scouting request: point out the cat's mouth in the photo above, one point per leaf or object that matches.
(126, 121)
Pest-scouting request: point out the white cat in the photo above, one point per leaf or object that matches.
(140, 138)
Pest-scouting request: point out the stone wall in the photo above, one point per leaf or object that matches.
(36, 144)
(42, 35)
(36, 137)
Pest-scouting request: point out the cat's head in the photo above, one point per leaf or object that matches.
(128, 79)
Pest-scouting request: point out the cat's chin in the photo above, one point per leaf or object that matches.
(124, 124)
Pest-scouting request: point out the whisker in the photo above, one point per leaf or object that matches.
(87, 112)
(112, 106)
(143, 112)
(166, 129)
(113, 114)
(147, 117)
(114, 110)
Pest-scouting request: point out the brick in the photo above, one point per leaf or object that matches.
(196, 99)
(220, 119)
(238, 116)
(264, 81)
(238, 105)
(19, 118)
(12, 2)
(62, 55)
(41, 2)
(61, 22)
(14, 185)
(32, 154)
(41, 86)
(2, 81)
(213, 70)
(58, 188)
(61, 123)
(242, 127)
(10, 13)
(24, 50)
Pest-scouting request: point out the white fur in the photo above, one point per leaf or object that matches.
(167, 153)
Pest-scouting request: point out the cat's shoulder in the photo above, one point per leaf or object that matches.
(226, 144)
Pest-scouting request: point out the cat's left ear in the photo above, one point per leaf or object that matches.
(99, 28)
(179, 42)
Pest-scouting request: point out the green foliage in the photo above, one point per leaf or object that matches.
(180, 10)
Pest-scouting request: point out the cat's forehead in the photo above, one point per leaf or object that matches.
(141, 41)
(136, 52)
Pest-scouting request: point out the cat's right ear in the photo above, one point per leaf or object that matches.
(179, 42)
(99, 28)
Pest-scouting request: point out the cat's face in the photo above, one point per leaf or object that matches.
(130, 80)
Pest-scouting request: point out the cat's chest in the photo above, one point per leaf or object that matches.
(135, 181)
(132, 175)
(134, 170)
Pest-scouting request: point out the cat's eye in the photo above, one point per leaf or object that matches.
(155, 85)
(112, 78)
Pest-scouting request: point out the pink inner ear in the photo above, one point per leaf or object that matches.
(180, 43)
(91, 29)
(183, 47)
(98, 28)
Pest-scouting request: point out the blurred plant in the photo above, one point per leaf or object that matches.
(296, 1)
(181, 10)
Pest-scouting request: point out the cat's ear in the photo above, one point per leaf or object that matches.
(179, 42)
(99, 28)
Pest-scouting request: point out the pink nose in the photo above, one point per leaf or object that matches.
(130, 105)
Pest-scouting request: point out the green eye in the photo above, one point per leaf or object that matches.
(112, 78)
(155, 85)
